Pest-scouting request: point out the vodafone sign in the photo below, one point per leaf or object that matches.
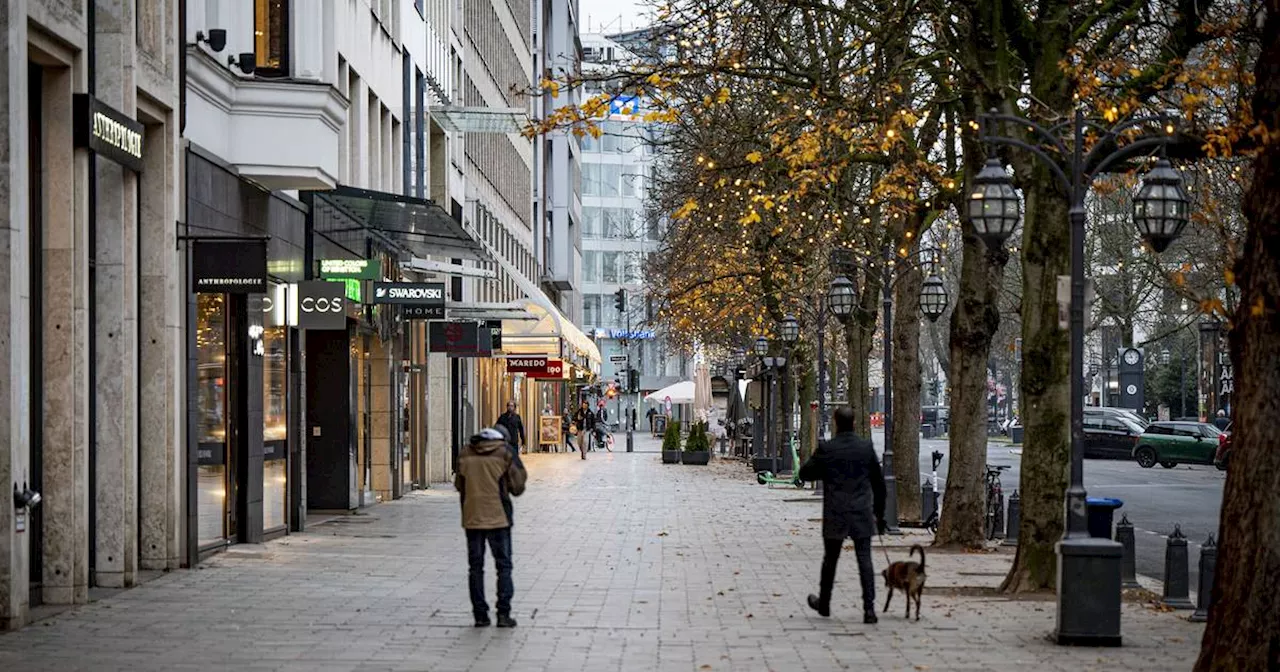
(542, 368)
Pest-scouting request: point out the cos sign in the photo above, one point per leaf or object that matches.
(322, 305)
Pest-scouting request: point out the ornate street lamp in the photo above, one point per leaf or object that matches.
(1161, 206)
(994, 207)
(933, 298)
(841, 297)
(762, 347)
(789, 329)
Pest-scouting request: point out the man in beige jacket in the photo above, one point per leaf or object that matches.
(489, 474)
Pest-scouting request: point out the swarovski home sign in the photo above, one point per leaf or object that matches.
(417, 293)
(107, 131)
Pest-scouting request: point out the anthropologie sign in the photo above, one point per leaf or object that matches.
(235, 267)
(107, 131)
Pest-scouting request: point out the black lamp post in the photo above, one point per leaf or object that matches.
(842, 296)
(763, 460)
(1088, 568)
(789, 330)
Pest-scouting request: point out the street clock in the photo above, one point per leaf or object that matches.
(1131, 357)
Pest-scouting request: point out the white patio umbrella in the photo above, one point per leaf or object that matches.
(680, 393)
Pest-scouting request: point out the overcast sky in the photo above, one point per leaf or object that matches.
(608, 16)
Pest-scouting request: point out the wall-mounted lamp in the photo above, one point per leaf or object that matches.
(216, 39)
(26, 498)
(245, 62)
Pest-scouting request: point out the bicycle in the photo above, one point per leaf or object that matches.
(995, 499)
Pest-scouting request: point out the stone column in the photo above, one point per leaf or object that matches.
(380, 416)
(65, 346)
(439, 418)
(116, 328)
(14, 309)
(160, 395)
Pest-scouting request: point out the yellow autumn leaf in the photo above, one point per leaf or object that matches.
(1230, 277)
(722, 96)
(750, 218)
(1258, 308)
(754, 157)
(655, 79)
(685, 210)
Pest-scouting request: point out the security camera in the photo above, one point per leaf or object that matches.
(216, 39)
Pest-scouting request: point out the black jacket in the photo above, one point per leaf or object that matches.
(852, 486)
(515, 427)
(585, 420)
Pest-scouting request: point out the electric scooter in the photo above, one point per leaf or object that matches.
(769, 478)
(931, 523)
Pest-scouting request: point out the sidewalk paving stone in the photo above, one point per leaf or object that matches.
(621, 563)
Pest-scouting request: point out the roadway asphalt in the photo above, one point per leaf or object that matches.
(1155, 499)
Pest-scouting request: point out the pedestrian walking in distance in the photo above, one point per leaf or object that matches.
(852, 507)
(489, 474)
(514, 425)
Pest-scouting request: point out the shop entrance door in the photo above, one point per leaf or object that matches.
(35, 479)
(330, 435)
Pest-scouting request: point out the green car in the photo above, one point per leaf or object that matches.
(1172, 443)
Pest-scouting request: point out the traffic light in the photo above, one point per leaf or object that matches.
(633, 381)
(620, 300)
(612, 391)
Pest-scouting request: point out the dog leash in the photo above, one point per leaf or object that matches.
(883, 548)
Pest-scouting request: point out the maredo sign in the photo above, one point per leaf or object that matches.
(536, 367)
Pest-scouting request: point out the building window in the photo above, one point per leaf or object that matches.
(591, 310)
(591, 266)
(613, 267)
(271, 37)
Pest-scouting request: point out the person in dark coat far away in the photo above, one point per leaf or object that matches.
(514, 424)
(852, 506)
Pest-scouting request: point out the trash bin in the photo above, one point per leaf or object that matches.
(1101, 510)
(926, 431)
(1015, 434)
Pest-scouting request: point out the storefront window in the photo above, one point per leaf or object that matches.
(275, 424)
(211, 384)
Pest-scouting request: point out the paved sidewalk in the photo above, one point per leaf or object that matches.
(622, 563)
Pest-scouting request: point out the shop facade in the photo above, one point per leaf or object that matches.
(245, 251)
(90, 311)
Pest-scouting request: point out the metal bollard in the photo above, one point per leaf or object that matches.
(1177, 591)
(1015, 519)
(1129, 563)
(1204, 591)
(926, 500)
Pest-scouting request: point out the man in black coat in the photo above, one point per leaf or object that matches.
(852, 506)
(514, 425)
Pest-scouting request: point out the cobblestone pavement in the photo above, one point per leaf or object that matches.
(622, 563)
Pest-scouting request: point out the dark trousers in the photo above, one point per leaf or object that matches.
(499, 541)
(867, 573)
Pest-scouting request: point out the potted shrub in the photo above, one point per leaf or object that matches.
(671, 443)
(697, 449)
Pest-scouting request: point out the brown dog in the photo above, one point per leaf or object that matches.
(908, 577)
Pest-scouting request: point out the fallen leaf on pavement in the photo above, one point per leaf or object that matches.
(662, 534)
(704, 667)
(922, 667)
(751, 615)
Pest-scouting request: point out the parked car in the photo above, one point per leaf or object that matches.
(1223, 454)
(938, 416)
(1113, 412)
(1107, 436)
(1172, 443)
